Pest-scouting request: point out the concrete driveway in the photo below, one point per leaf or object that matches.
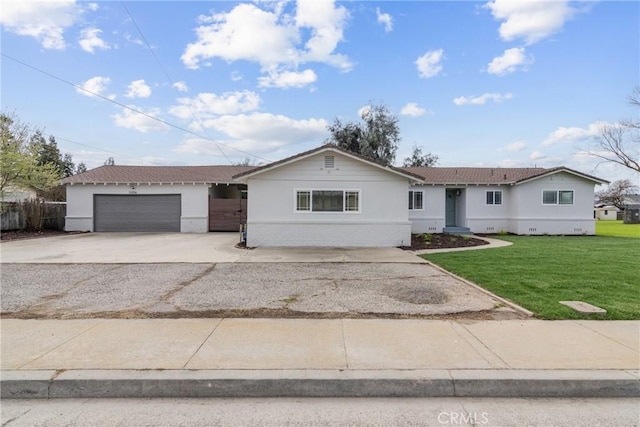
(140, 248)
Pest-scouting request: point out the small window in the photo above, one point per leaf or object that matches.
(549, 197)
(565, 197)
(327, 201)
(560, 197)
(494, 197)
(303, 201)
(351, 201)
(416, 200)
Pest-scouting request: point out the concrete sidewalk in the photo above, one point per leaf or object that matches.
(313, 357)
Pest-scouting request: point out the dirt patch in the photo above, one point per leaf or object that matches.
(266, 313)
(24, 234)
(442, 241)
(418, 295)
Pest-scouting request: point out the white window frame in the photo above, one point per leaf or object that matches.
(557, 198)
(412, 201)
(493, 197)
(344, 191)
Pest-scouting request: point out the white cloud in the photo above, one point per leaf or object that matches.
(46, 21)
(236, 76)
(138, 89)
(482, 99)
(531, 21)
(94, 86)
(141, 122)
(509, 62)
(93, 6)
(271, 38)
(384, 19)
(430, 64)
(268, 127)
(573, 134)
(257, 133)
(90, 40)
(537, 155)
(180, 86)
(207, 105)
(412, 109)
(288, 79)
(516, 146)
(364, 110)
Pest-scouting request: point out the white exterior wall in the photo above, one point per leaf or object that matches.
(609, 213)
(431, 218)
(484, 218)
(194, 210)
(532, 217)
(382, 221)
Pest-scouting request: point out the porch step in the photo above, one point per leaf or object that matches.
(457, 230)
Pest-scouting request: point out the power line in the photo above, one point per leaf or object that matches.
(171, 81)
(190, 132)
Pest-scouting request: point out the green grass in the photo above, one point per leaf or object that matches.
(538, 271)
(617, 228)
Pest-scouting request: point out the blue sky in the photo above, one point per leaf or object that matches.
(498, 83)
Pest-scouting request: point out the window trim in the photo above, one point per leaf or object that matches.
(557, 198)
(413, 200)
(493, 197)
(344, 200)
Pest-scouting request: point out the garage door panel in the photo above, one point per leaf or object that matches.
(158, 212)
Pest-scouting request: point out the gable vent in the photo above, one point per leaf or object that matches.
(329, 162)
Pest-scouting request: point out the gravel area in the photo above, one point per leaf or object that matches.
(238, 290)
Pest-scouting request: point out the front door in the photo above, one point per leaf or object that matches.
(450, 214)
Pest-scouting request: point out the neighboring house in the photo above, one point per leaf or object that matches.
(331, 197)
(605, 213)
(18, 194)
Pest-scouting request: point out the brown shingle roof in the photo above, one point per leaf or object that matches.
(438, 175)
(158, 174)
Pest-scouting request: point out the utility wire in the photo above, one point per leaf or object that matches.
(190, 132)
(164, 70)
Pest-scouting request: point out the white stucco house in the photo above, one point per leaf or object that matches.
(331, 197)
(605, 213)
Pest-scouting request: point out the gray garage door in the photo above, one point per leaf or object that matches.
(137, 212)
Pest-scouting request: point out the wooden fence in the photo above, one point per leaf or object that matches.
(12, 216)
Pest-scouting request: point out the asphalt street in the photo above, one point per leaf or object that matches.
(321, 412)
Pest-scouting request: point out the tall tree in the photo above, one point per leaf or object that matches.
(47, 152)
(620, 142)
(81, 168)
(19, 166)
(418, 159)
(617, 192)
(376, 138)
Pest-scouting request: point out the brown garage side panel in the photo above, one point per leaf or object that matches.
(227, 214)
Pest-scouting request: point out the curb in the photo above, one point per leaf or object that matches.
(48, 384)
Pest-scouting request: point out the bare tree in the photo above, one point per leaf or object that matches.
(617, 192)
(620, 142)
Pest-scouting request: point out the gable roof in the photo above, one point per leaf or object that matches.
(511, 176)
(322, 149)
(157, 174)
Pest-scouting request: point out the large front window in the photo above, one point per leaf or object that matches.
(327, 201)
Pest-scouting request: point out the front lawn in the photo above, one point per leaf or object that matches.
(538, 271)
(617, 228)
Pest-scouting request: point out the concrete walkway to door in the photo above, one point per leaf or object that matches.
(140, 248)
